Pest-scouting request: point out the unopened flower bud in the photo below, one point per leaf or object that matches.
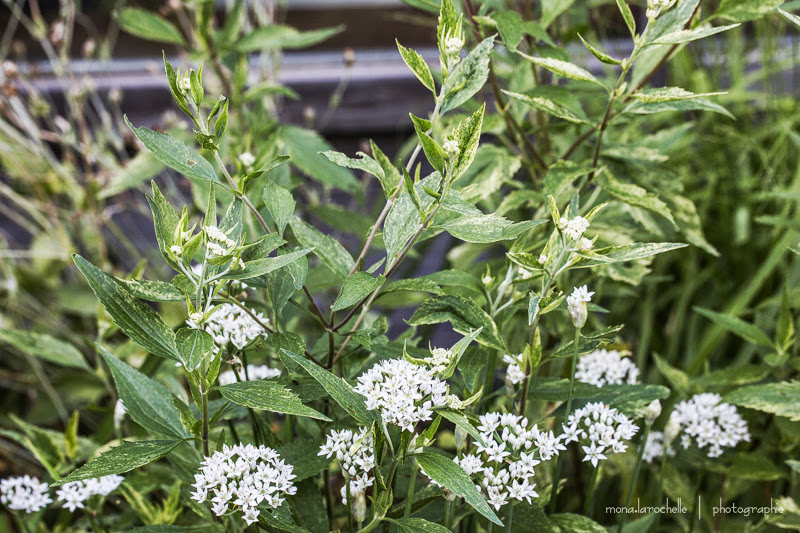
(487, 280)
(453, 45)
(576, 305)
(671, 431)
(359, 506)
(542, 259)
(451, 147)
(449, 496)
(652, 411)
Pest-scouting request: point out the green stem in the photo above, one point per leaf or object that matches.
(509, 517)
(587, 505)
(696, 509)
(448, 514)
(349, 505)
(557, 472)
(411, 483)
(635, 477)
(204, 437)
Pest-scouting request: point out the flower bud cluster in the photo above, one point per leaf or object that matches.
(254, 373)
(355, 451)
(439, 360)
(230, 325)
(576, 305)
(24, 493)
(606, 367)
(707, 422)
(503, 464)
(241, 478)
(599, 430)
(75, 493)
(514, 373)
(404, 393)
(656, 7)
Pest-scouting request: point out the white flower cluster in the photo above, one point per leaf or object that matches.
(231, 325)
(24, 493)
(254, 373)
(355, 451)
(514, 372)
(404, 392)
(655, 7)
(708, 422)
(75, 493)
(439, 360)
(598, 428)
(453, 45)
(242, 477)
(247, 159)
(573, 228)
(606, 367)
(503, 465)
(654, 447)
(219, 243)
(576, 305)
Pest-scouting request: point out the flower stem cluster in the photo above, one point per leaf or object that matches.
(241, 478)
(503, 463)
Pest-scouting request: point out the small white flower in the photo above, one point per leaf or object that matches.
(542, 259)
(653, 411)
(593, 453)
(230, 325)
(24, 493)
(573, 228)
(185, 83)
(175, 249)
(524, 273)
(709, 423)
(439, 360)
(576, 305)
(584, 245)
(247, 159)
(514, 373)
(487, 279)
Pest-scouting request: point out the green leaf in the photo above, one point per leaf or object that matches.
(142, 167)
(121, 459)
(599, 54)
(547, 105)
(403, 221)
(149, 26)
(175, 154)
(744, 10)
(140, 323)
(44, 347)
(391, 176)
(510, 26)
(563, 69)
(737, 326)
(338, 389)
(413, 284)
(685, 36)
(302, 453)
(627, 16)
(551, 9)
(417, 65)
(668, 94)
(195, 346)
(794, 19)
(153, 291)
(459, 419)
(676, 377)
(633, 195)
(488, 228)
(434, 153)
(468, 77)
(631, 252)
(452, 477)
(533, 308)
(732, 376)
(467, 134)
(355, 288)
(147, 402)
(165, 220)
(418, 525)
(365, 163)
(280, 204)
(268, 395)
(259, 267)
(328, 249)
(278, 36)
(304, 147)
(694, 104)
(575, 523)
(776, 398)
(464, 315)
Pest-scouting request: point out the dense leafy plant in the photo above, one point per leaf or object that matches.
(566, 209)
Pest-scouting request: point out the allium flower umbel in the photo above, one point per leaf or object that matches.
(707, 422)
(503, 466)
(655, 447)
(599, 430)
(404, 393)
(606, 367)
(576, 305)
(230, 326)
(24, 493)
(74, 494)
(254, 373)
(355, 451)
(240, 478)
